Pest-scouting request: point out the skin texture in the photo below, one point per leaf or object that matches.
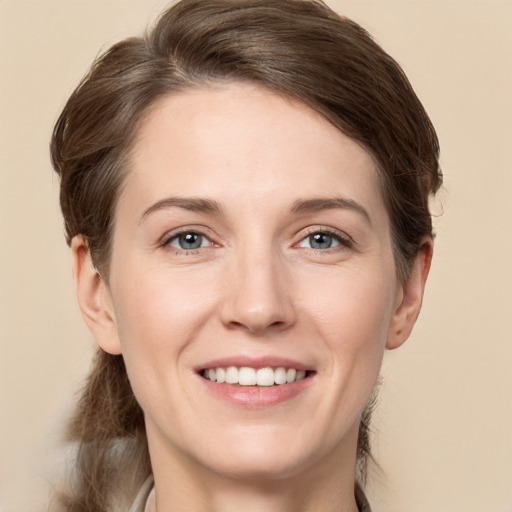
(256, 288)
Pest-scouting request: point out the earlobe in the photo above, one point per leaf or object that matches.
(94, 298)
(409, 306)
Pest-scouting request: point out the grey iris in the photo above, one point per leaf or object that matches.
(190, 240)
(320, 241)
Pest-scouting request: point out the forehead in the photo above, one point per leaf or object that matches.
(240, 141)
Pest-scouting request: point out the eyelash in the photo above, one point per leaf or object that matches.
(344, 241)
(166, 243)
(341, 238)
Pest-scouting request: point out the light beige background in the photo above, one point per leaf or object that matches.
(444, 421)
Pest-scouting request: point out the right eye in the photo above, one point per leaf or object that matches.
(189, 241)
(320, 240)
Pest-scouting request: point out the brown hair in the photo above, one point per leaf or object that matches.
(298, 48)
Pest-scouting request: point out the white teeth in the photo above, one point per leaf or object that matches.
(221, 375)
(265, 377)
(290, 375)
(247, 376)
(232, 375)
(280, 375)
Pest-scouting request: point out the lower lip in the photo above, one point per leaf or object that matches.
(255, 397)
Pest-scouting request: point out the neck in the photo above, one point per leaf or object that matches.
(254, 496)
(183, 484)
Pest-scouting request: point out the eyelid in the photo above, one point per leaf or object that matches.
(344, 239)
(171, 235)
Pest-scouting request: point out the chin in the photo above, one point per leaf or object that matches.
(264, 467)
(267, 456)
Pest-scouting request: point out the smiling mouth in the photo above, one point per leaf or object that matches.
(247, 376)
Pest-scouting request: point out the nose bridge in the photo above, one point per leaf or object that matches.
(258, 295)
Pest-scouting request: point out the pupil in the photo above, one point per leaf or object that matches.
(320, 241)
(190, 241)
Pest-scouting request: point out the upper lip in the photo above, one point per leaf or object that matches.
(269, 361)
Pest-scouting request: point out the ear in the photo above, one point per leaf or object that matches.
(409, 300)
(94, 298)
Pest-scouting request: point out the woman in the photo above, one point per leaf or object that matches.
(245, 192)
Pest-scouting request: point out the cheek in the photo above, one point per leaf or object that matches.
(159, 307)
(353, 320)
(355, 306)
(158, 317)
(157, 304)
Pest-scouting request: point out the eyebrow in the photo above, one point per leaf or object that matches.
(300, 206)
(331, 203)
(188, 203)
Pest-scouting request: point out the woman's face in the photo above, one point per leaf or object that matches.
(250, 233)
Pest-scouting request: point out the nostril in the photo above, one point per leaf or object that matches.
(257, 302)
(255, 327)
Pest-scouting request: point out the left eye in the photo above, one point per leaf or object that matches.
(320, 240)
(189, 241)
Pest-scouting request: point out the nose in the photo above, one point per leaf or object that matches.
(259, 294)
